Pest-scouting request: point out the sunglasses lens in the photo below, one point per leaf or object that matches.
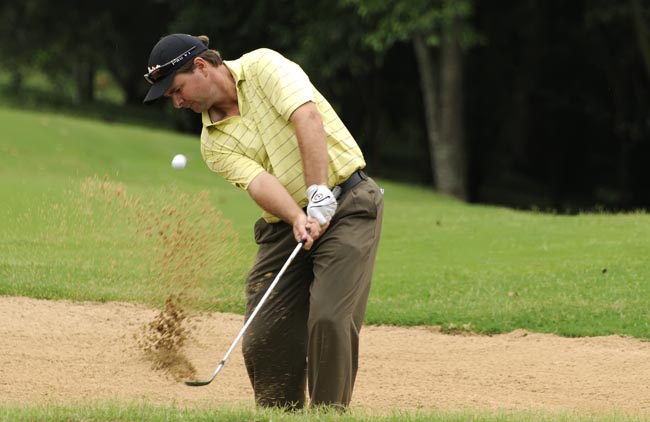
(156, 74)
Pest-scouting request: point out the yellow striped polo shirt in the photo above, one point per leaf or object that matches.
(269, 89)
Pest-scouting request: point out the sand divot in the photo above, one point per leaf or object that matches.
(163, 341)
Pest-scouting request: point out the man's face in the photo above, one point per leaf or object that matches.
(191, 90)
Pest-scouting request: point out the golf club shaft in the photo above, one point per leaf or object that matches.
(250, 318)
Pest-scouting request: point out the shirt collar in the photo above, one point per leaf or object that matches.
(235, 67)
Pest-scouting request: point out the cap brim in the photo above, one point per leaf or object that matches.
(158, 89)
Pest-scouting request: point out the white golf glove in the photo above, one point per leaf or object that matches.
(322, 203)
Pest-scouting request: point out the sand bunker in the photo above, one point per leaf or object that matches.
(60, 351)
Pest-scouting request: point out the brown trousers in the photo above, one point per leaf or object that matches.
(308, 329)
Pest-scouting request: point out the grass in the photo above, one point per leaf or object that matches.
(494, 269)
(106, 412)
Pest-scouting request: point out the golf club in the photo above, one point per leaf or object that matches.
(249, 320)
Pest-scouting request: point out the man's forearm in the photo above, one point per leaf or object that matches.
(269, 194)
(312, 142)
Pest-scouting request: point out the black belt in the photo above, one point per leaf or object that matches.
(351, 182)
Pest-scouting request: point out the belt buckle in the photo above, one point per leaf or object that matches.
(363, 174)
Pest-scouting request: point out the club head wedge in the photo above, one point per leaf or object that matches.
(202, 383)
(197, 383)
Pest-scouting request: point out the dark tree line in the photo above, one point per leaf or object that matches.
(566, 96)
(519, 102)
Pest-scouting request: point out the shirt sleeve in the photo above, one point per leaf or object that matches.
(283, 82)
(224, 159)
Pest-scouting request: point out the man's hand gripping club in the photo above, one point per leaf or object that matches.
(320, 210)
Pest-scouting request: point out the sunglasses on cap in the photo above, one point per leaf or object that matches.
(159, 71)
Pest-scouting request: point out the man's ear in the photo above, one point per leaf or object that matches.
(201, 65)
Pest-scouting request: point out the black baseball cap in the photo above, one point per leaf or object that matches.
(167, 56)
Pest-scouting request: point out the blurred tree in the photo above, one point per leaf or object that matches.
(126, 44)
(70, 39)
(555, 94)
(76, 53)
(640, 15)
(618, 32)
(437, 30)
(19, 38)
(559, 97)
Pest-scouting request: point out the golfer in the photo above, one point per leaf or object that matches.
(266, 129)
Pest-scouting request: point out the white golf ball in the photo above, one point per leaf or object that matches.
(179, 161)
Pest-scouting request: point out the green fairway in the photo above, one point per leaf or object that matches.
(94, 211)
